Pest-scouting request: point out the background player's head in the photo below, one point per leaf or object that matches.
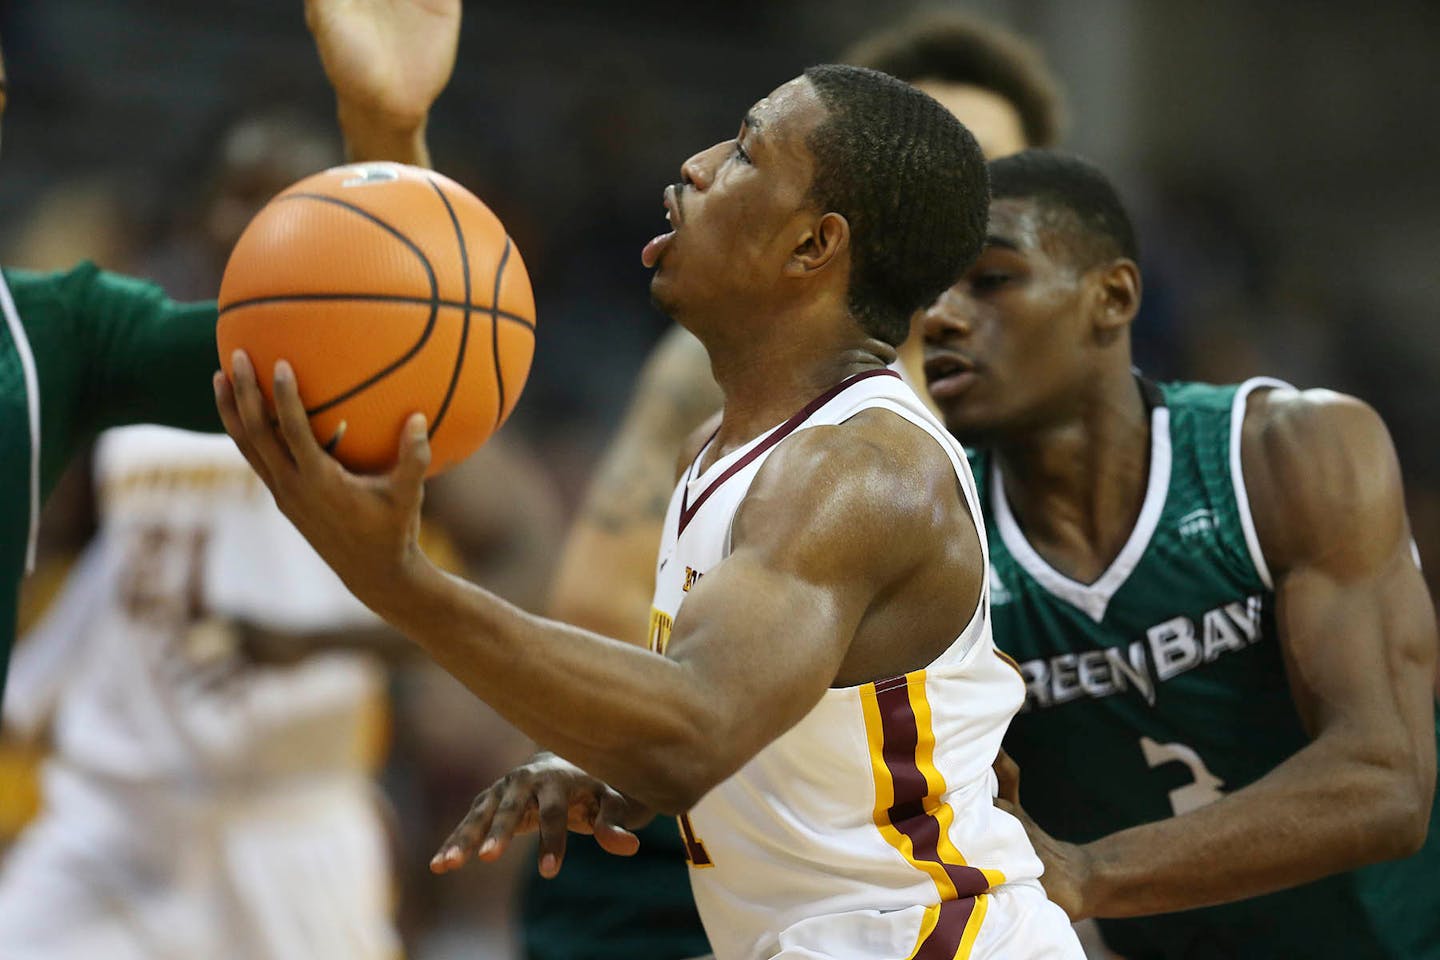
(1043, 315)
(846, 194)
(995, 81)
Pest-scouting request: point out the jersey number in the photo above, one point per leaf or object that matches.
(1205, 786)
(694, 849)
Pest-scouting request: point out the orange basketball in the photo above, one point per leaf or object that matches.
(391, 290)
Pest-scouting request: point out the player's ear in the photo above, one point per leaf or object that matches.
(1117, 300)
(821, 243)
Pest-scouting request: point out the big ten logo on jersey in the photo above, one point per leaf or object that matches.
(661, 623)
(692, 576)
(1170, 649)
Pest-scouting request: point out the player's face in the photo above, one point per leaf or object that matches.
(1007, 347)
(739, 211)
(992, 120)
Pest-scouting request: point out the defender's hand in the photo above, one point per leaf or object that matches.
(386, 59)
(550, 795)
(1066, 864)
(366, 528)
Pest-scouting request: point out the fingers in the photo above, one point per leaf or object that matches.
(612, 837)
(513, 814)
(554, 816)
(230, 417)
(254, 426)
(463, 840)
(295, 429)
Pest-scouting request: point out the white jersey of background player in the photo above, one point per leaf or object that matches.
(195, 806)
(867, 830)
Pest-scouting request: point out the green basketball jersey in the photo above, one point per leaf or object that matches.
(80, 351)
(603, 907)
(1161, 687)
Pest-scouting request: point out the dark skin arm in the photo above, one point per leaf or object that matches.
(1358, 633)
(606, 576)
(661, 729)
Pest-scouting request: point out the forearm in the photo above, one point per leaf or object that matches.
(1314, 815)
(627, 716)
(370, 136)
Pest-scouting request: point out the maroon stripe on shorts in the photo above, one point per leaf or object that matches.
(907, 813)
(687, 509)
(944, 941)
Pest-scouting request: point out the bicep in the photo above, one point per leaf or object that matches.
(762, 644)
(1354, 616)
(150, 358)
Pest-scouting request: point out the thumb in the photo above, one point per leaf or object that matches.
(407, 480)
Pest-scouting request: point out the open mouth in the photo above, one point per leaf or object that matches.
(948, 374)
(656, 248)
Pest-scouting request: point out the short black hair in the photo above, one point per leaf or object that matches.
(1077, 198)
(961, 49)
(911, 182)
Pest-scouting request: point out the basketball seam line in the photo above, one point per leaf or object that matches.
(465, 322)
(429, 323)
(495, 334)
(377, 298)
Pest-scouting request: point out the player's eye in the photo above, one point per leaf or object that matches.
(740, 153)
(990, 280)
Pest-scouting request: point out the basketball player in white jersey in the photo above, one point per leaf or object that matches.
(197, 805)
(824, 700)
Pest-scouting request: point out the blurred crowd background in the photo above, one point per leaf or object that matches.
(1279, 157)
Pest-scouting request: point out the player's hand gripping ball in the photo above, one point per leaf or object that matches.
(391, 290)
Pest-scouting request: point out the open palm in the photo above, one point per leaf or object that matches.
(386, 57)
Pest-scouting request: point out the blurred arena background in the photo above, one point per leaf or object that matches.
(1280, 158)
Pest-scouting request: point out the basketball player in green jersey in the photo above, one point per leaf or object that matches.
(1213, 599)
(599, 907)
(85, 349)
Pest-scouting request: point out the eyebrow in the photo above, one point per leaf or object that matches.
(751, 121)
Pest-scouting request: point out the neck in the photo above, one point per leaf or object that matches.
(769, 371)
(1076, 485)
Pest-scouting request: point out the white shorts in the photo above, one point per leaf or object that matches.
(293, 875)
(1015, 921)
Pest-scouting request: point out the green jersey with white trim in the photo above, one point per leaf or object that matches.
(82, 350)
(1161, 687)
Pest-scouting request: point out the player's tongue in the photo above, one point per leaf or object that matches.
(651, 254)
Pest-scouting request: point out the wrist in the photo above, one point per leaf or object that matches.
(1086, 870)
(373, 134)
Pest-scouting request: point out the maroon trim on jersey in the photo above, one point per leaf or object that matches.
(688, 509)
(944, 940)
(907, 812)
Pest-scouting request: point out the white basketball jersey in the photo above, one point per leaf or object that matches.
(142, 695)
(867, 829)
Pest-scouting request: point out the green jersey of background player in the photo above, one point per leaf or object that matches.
(85, 349)
(1216, 607)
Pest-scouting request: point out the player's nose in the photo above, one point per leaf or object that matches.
(949, 316)
(699, 170)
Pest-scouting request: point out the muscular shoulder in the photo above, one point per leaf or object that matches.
(875, 486)
(1322, 477)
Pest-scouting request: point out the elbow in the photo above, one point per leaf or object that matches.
(1400, 821)
(682, 766)
(1407, 823)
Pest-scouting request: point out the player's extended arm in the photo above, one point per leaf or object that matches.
(1358, 632)
(758, 642)
(387, 60)
(606, 576)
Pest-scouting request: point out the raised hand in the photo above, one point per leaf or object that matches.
(390, 58)
(552, 796)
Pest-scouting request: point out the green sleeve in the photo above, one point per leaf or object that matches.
(148, 359)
